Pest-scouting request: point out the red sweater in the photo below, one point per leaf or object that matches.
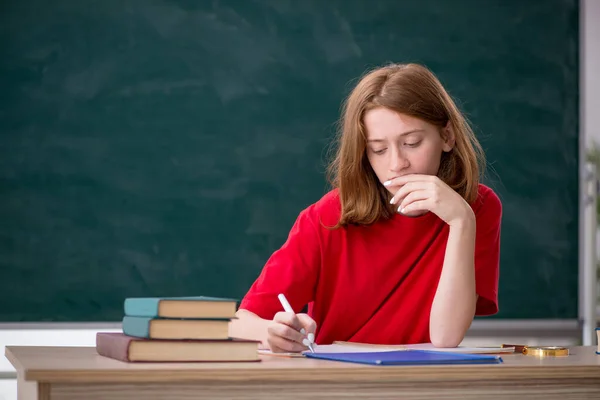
(372, 284)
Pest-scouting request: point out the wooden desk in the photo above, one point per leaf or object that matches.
(79, 373)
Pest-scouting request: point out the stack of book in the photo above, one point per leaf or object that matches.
(176, 329)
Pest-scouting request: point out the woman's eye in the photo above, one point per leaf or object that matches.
(378, 151)
(414, 144)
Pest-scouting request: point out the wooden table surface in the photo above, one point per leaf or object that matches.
(68, 372)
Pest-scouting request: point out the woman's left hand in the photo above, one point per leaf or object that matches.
(429, 193)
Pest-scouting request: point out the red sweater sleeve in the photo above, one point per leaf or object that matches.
(487, 253)
(291, 270)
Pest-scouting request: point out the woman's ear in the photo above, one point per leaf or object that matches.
(448, 137)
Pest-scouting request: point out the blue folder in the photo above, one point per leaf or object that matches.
(408, 357)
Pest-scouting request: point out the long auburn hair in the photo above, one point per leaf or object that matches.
(409, 89)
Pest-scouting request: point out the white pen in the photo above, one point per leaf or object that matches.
(288, 308)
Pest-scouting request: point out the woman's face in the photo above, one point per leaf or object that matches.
(398, 144)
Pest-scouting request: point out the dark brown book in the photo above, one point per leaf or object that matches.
(131, 349)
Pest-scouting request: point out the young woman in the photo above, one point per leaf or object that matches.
(405, 247)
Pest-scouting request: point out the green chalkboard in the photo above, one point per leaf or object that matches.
(152, 148)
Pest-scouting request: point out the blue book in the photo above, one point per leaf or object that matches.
(407, 357)
(176, 328)
(180, 307)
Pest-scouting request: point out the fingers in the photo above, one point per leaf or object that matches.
(411, 198)
(309, 325)
(289, 332)
(288, 325)
(419, 205)
(280, 345)
(408, 188)
(282, 338)
(403, 180)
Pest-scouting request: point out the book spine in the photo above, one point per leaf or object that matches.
(137, 326)
(113, 346)
(141, 307)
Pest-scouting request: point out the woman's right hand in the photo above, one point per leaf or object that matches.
(290, 333)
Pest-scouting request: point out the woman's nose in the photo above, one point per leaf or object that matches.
(398, 161)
